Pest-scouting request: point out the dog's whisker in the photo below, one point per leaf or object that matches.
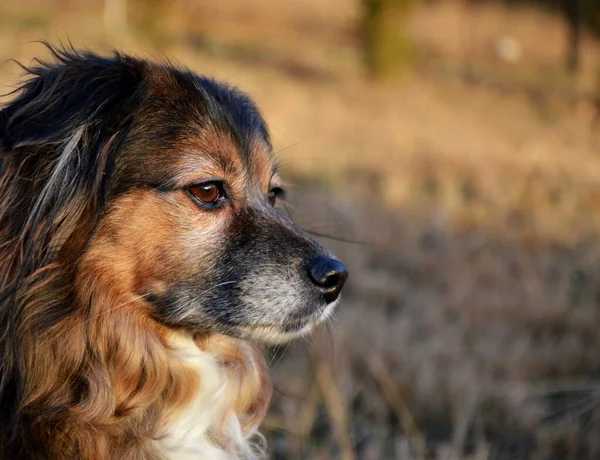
(111, 310)
(280, 357)
(282, 164)
(287, 206)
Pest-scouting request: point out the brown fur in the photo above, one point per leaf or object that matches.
(135, 383)
(102, 247)
(110, 345)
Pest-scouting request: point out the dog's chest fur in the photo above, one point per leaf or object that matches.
(208, 427)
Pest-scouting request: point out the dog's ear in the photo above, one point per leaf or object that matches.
(78, 89)
(59, 140)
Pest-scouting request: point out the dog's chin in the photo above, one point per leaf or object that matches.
(278, 334)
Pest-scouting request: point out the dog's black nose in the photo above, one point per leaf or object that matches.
(329, 275)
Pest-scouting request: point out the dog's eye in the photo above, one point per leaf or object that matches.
(207, 193)
(274, 193)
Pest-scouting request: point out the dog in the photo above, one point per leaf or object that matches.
(143, 264)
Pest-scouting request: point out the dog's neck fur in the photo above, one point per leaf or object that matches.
(149, 392)
(204, 395)
(209, 427)
(208, 402)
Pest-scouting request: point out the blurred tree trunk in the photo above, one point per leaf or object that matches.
(386, 46)
(572, 11)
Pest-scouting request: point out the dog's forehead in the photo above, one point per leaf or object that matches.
(221, 149)
(220, 126)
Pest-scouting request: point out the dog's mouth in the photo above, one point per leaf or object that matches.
(278, 333)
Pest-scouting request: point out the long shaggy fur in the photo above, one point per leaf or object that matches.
(130, 308)
(82, 373)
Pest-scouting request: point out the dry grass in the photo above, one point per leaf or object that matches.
(469, 326)
(483, 346)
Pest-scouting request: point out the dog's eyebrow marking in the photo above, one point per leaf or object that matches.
(194, 167)
(261, 162)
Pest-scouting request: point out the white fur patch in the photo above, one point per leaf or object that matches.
(192, 435)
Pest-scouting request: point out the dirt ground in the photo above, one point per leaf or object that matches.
(464, 198)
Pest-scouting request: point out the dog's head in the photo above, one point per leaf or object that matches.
(161, 185)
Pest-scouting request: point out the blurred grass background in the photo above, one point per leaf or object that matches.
(449, 152)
